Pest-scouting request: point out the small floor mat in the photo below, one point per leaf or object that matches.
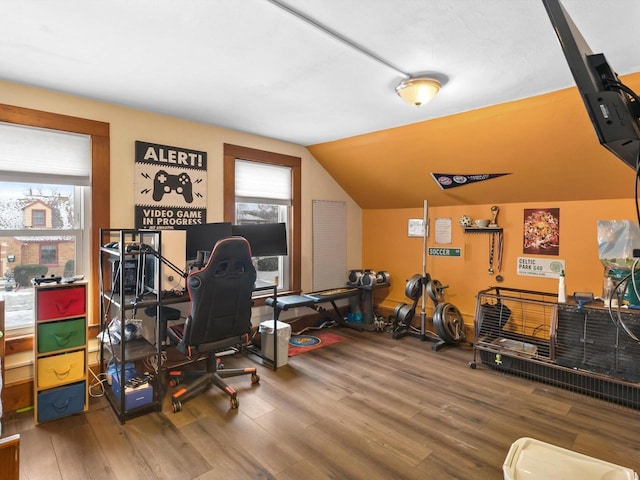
(305, 343)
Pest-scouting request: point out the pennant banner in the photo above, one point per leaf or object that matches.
(449, 180)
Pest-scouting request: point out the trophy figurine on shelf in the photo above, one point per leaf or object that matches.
(494, 216)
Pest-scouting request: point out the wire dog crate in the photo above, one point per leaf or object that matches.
(584, 348)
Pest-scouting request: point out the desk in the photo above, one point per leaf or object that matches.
(170, 298)
(155, 327)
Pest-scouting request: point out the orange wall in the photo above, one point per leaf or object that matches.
(386, 246)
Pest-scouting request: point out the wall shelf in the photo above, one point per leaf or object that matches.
(482, 230)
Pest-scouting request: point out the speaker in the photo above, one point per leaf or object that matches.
(129, 273)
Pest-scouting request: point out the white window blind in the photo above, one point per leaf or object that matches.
(258, 182)
(329, 244)
(40, 155)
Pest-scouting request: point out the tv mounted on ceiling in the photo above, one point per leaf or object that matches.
(613, 108)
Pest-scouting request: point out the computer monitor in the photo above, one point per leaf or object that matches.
(266, 239)
(612, 107)
(203, 237)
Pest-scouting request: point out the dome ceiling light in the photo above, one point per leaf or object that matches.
(418, 91)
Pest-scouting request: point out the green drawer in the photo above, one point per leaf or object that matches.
(59, 335)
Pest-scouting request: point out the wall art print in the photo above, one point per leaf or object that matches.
(541, 231)
(170, 186)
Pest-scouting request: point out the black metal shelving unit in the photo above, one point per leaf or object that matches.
(117, 301)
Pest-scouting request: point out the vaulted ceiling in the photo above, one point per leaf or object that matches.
(322, 73)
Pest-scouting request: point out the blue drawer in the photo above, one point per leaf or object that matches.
(61, 401)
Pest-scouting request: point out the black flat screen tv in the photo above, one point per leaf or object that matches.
(612, 107)
(266, 239)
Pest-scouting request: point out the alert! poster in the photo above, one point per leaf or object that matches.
(170, 186)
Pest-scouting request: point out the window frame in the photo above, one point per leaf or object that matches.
(98, 217)
(233, 152)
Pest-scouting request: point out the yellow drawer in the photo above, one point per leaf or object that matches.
(60, 369)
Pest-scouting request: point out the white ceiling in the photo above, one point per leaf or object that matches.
(251, 65)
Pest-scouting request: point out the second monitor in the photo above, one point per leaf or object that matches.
(203, 237)
(266, 239)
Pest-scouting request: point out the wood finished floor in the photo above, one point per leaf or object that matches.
(367, 408)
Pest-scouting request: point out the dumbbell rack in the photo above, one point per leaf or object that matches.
(367, 281)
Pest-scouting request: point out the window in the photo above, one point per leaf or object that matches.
(264, 187)
(49, 255)
(263, 195)
(35, 217)
(46, 216)
(38, 218)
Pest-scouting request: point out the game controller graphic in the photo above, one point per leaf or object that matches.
(165, 183)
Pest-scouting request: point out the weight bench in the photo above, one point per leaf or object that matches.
(314, 300)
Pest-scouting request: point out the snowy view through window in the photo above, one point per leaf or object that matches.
(38, 236)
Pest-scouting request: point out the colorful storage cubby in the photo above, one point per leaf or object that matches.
(60, 351)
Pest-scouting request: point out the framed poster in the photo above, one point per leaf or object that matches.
(541, 231)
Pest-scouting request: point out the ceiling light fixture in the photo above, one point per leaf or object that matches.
(414, 90)
(417, 91)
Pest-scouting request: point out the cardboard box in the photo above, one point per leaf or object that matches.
(134, 397)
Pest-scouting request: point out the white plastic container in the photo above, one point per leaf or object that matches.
(530, 459)
(283, 336)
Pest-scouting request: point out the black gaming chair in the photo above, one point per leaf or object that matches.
(220, 318)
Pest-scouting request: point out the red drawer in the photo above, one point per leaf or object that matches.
(61, 302)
